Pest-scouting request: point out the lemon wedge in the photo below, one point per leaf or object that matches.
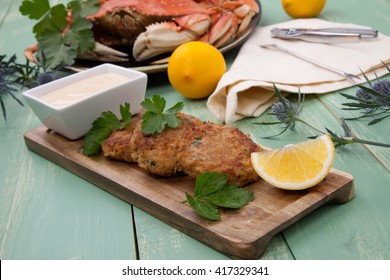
(296, 166)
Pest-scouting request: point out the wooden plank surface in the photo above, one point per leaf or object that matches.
(49, 213)
(243, 233)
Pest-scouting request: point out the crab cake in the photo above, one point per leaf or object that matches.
(214, 147)
(157, 153)
(117, 145)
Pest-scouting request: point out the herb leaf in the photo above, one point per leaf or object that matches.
(125, 114)
(103, 126)
(155, 119)
(152, 122)
(61, 37)
(208, 183)
(155, 105)
(213, 191)
(231, 196)
(203, 208)
(34, 9)
(63, 55)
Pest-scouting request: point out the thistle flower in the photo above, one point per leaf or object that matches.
(288, 115)
(286, 112)
(8, 83)
(45, 77)
(15, 76)
(383, 88)
(373, 100)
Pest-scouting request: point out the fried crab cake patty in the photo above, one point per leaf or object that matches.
(117, 145)
(214, 147)
(157, 153)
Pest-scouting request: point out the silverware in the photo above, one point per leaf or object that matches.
(325, 35)
(349, 76)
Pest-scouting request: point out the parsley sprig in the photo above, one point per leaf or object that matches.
(155, 119)
(103, 126)
(62, 31)
(212, 191)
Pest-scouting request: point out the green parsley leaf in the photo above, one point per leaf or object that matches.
(231, 196)
(62, 55)
(152, 123)
(34, 9)
(125, 114)
(212, 191)
(60, 41)
(208, 183)
(155, 105)
(155, 119)
(203, 208)
(103, 126)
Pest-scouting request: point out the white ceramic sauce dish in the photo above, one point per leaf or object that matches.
(69, 105)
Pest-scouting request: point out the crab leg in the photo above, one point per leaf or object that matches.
(105, 54)
(224, 30)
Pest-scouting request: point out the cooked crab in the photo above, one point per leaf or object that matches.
(159, 26)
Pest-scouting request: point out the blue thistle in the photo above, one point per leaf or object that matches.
(8, 82)
(45, 77)
(382, 87)
(14, 77)
(373, 100)
(364, 95)
(285, 111)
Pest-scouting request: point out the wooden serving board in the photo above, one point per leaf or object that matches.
(243, 233)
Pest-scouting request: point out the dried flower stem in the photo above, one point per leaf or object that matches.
(288, 114)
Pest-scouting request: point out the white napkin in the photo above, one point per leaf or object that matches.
(247, 88)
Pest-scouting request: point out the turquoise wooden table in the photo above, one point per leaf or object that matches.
(47, 212)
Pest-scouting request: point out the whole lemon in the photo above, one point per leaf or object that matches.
(195, 68)
(303, 8)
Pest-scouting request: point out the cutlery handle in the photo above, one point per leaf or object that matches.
(300, 56)
(325, 38)
(325, 35)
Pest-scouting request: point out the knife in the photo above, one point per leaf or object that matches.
(325, 35)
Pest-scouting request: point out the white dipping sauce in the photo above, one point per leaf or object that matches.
(83, 88)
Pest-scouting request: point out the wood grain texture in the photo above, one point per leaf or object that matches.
(243, 233)
(47, 212)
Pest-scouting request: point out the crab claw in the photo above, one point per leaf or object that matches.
(245, 10)
(105, 54)
(29, 53)
(166, 36)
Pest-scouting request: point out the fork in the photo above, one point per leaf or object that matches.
(349, 76)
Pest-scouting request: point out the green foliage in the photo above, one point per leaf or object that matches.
(103, 126)
(155, 119)
(212, 191)
(63, 32)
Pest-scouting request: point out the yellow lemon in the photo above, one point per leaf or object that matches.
(296, 166)
(195, 68)
(303, 8)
